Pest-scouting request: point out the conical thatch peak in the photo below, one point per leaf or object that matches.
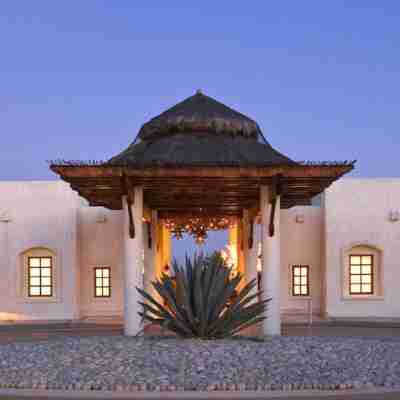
(200, 131)
(200, 113)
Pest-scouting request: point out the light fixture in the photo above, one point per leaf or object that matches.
(5, 217)
(101, 217)
(198, 226)
(394, 215)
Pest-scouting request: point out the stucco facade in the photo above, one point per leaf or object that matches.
(362, 213)
(49, 218)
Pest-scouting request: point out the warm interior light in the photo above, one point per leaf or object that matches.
(198, 226)
(230, 256)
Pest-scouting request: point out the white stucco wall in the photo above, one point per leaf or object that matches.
(357, 213)
(42, 214)
(301, 244)
(51, 215)
(100, 245)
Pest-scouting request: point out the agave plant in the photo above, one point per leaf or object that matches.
(203, 300)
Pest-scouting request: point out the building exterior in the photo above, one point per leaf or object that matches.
(48, 219)
(80, 248)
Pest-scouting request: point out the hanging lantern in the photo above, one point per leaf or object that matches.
(198, 226)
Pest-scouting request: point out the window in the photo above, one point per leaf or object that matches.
(40, 277)
(300, 280)
(361, 274)
(102, 277)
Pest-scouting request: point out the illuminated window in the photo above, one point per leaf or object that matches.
(40, 277)
(102, 282)
(361, 274)
(300, 280)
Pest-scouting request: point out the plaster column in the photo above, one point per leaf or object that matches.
(250, 254)
(150, 255)
(133, 262)
(270, 264)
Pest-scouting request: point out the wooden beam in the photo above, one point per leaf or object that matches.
(274, 193)
(295, 170)
(130, 199)
(251, 233)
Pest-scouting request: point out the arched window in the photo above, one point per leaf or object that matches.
(38, 273)
(362, 271)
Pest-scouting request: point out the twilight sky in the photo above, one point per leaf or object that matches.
(78, 78)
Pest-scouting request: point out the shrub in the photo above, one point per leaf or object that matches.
(203, 300)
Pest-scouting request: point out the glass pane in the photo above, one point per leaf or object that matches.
(99, 282)
(106, 292)
(304, 280)
(34, 291)
(366, 260)
(296, 271)
(106, 282)
(366, 279)
(296, 290)
(355, 269)
(304, 290)
(355, 260)
(366, 269)
(46, 291)
(46, 281)
(34, 271)
(34, 262)
(304, 271)
(98, 273)
(106, 272)
(366, 288)
(35, 281)
(355, 288)
(355, 279)
(99, 292)
(46, 271)
(297, 280)
(46, 262)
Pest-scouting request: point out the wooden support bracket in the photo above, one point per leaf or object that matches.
(131, 221)
(149, 236)
(251, 233)
(275, 192)
(130, 199)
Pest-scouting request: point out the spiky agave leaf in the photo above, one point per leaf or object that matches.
(203, 300)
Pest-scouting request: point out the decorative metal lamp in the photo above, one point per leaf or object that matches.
(394, 215)
(5, 216)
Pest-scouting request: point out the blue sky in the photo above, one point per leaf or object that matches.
(78, 78)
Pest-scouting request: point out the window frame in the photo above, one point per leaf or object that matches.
(40, 286)
(372, 275)
(307, 285)
(95, 269)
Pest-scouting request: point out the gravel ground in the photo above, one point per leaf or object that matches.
(133, 364)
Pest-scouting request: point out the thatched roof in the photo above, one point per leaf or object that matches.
(199, 155)
(200, 131)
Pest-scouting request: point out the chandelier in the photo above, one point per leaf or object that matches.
(198, 226)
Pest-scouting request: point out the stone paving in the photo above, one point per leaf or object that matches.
(166, 364)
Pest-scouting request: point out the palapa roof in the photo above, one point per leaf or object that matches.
(200, 131)
(199, 156)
